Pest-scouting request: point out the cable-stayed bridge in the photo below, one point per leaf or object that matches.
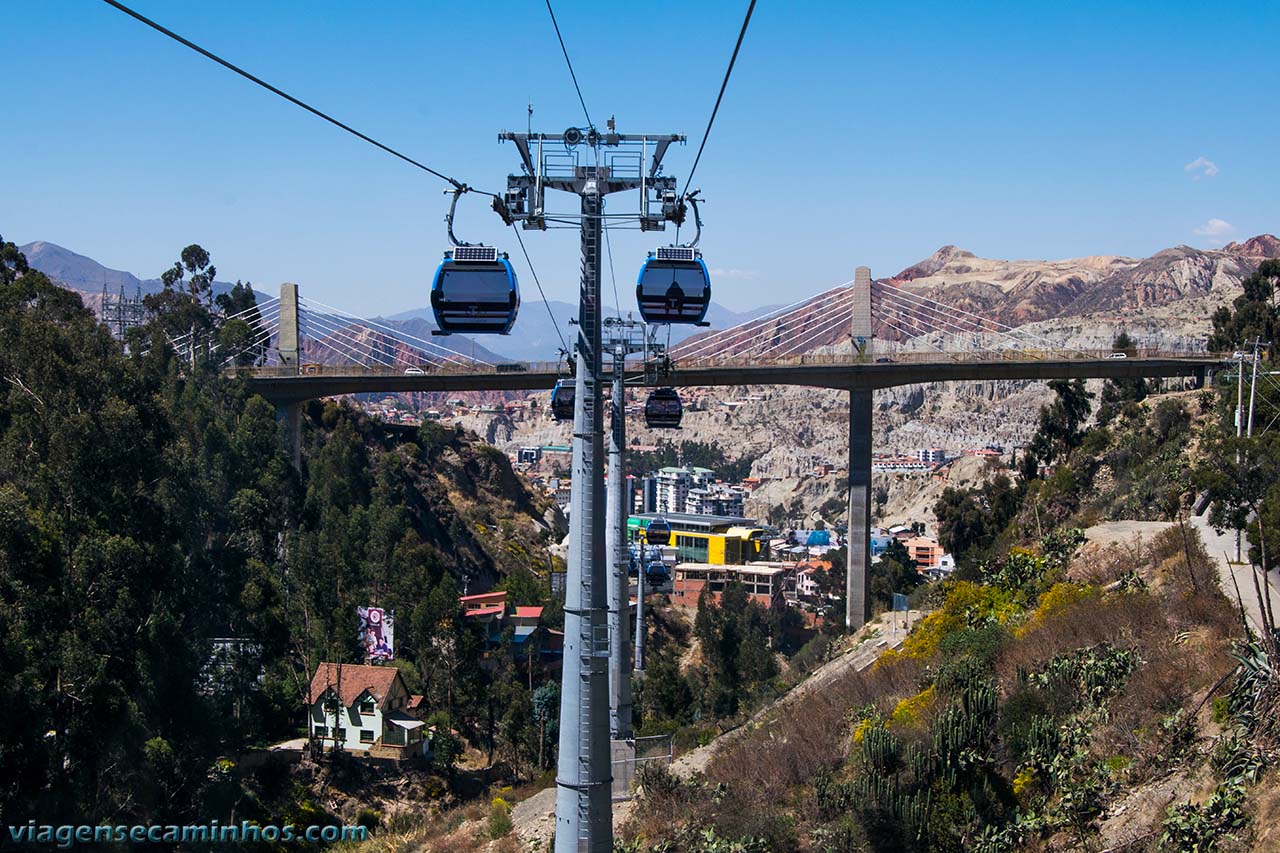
(858, 336)
(301, 349)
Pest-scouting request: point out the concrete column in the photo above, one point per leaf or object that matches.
(289, 325)
(858, 578)
(289, 416)
(860, 327)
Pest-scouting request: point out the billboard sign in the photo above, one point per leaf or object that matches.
(377, 633)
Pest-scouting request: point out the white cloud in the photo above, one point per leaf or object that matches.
(720, 272)
(1201, 167)
(1216, 228)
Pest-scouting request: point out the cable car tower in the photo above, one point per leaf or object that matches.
(617, 163)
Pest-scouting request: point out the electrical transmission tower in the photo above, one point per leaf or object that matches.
(619, 163)
(121, 313)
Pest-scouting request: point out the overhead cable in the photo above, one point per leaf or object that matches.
(738, 46)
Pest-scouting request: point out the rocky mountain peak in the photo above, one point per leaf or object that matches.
(935, 263)
(1262, 246)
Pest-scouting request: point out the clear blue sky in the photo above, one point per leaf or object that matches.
(851, 132)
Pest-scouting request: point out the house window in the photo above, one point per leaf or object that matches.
(366, 735)
(340, 734)
(367, 706)
(322, 731)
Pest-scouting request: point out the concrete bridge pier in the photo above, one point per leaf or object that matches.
(858, 562)
(289, 415)
(858, 556)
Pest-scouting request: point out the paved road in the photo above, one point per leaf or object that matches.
(1222, 548)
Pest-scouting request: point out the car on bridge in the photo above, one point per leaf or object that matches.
(414, 371)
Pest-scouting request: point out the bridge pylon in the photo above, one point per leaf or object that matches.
(858, 553)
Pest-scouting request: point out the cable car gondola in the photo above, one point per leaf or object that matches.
(475, 290)
(657, 532)
(562, 400)
(674, 286)
(663, 409)
(656, 574)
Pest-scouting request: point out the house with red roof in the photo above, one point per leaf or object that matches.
(490, 611)
(361, 708)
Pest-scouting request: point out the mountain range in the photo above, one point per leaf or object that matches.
(1012, 292)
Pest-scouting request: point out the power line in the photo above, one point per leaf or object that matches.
(716, 109)
(550, 313)
(290, 98)
(573, 76)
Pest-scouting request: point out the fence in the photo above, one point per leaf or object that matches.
(629, 755)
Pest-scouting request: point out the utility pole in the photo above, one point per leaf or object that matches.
(1239, 421)
(583, 775)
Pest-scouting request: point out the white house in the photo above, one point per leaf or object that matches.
(363, 708)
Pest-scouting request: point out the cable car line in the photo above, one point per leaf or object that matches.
(550, 313)
(574, 77)
(270, 88)
(725, 83)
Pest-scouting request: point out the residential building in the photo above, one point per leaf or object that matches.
(673, 485)
(764, 582)
(715, 499)
(366, 709)
(491, 612)
(925, 550)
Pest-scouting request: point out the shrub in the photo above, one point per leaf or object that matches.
(499, 818)
(1200, 828)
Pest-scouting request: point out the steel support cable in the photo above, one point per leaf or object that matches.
(272, 326)
(268, 329)
(276, 91)
(780, 325)
(341, 318)
(340, 332)
(446, 352)
(724, 84)
(567, 62)
(349, 339)
(534, 273)
(942, 306)
(755, 324)
(958, 323)
(312, 329)
(825, 329)
(921, 326)
(948, 323)
(824, 324)
(234, 316)
(259, 342)
(912, 336)
(778, 334)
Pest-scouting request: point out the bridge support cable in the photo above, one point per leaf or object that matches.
(437, 350)
(945, 323)
(942, 309)
(265, 318)
(699, 345)
(914, 330)
(444, 353)
(914, 336)
(825, 324)
(967, 338)
(347, 332)
(263, 340)
(333, 331)
(346, 348)
(771, 334)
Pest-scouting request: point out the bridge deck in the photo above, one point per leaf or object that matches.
(284, 385)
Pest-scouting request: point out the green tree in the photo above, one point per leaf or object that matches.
(1253, 314)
